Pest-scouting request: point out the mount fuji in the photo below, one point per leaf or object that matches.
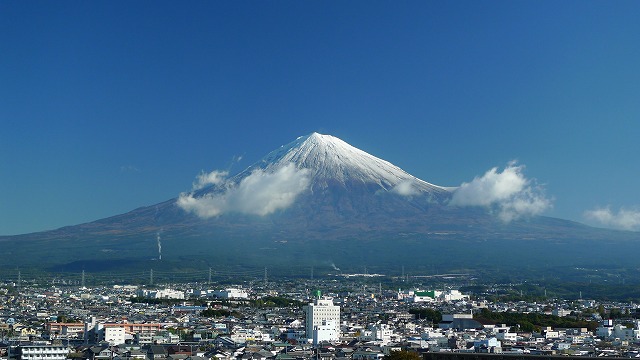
(321, 172)
(331, 160)
(313, 202)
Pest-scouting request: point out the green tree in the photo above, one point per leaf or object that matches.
(615, 313)
(215, 313)
(403, 355)
(429, 314)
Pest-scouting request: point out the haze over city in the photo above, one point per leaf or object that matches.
(107, 106)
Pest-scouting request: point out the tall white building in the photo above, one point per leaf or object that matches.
(322, 320)
(114, 335)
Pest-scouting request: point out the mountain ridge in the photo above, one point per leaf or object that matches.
(331, 157)
(348, 205)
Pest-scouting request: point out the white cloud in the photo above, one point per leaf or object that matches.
(405, 188)
(213, 178)
(624, 219)
(509, 193)
(260, 193)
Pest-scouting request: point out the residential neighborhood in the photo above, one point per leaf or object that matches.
(295, 319)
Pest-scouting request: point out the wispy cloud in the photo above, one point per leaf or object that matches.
(405, 188)
(508, 193)
(129, 168)
(213, 178)
(624, 219)
(260, 193)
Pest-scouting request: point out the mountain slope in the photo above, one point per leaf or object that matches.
(343, 205)
(333, 160)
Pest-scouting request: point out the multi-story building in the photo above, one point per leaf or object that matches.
(161, 294)
(43, 352)
(320, 315)
(66, 330)
(436, 296)
(230, 293)
(114, 335)
(377, 332)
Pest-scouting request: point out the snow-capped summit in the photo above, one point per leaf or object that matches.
(331, 160)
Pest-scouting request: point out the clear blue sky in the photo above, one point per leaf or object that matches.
(106, 106)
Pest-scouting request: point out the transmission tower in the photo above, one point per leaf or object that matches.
(265, 276)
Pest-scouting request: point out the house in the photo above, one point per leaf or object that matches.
(460, 322)
(156, 352)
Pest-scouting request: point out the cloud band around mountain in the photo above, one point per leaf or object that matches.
(260, 193)
(405, 188)
(624, 219)
(508, 193)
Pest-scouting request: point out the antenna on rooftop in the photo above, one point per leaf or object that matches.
(82, 277)
(312, 273)
(209, 282)
(151, 277)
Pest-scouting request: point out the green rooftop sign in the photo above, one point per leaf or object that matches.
(431, 294)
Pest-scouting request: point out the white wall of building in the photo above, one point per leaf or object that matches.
(114, 335)
(325, 331)
(46, 352)
(231, 293)
(319, 313)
